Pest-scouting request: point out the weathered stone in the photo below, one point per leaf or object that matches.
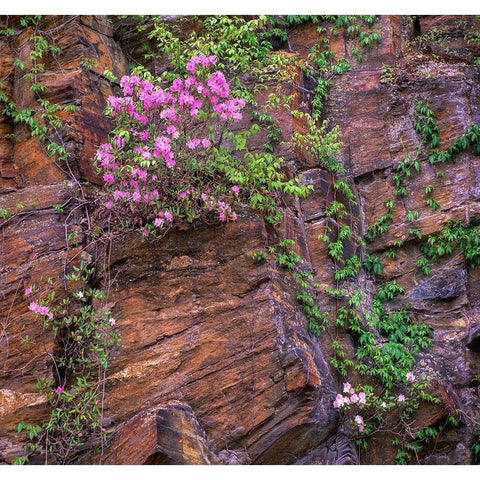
(217, 364)
(165, 435)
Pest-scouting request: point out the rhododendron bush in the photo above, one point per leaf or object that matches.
(173, 157)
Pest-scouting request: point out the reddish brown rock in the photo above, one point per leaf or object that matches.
(216, 363)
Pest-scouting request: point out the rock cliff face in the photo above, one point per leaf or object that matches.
(217, 364)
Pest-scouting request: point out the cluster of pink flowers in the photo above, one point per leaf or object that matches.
(163, 135)
(410, 377)
(353, 398)
(200, 60)
(225, 211)
(359, 421)
(40, 309)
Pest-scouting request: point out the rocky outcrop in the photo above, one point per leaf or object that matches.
(216, 364)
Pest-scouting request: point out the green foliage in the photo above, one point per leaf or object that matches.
(238, 44)
(373, 264)
(426, 124)
(415, 232)
(471, 140)
(46, 128)
(319, 143)
(424, 265)
(259, 256)
(351, 269)
(454, 234)
(475, 448)
(5, 214)
(433, 204)
(389, 73)
(288, 258)
(83, 328)
(274, 131)
(412, 215)
(381, 225)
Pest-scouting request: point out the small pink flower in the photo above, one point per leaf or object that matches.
(401, 398)
(112, 321)
(410, 377)
(191, 144)
(108, 205)
(339, 401)
(358, 419)
(59, 390)
(206, 143)
(236, 189)
(109, 178)
(360, 427)
(354, 398)
(383, 405)
(28, 292)
(347, 388)
(362, 398)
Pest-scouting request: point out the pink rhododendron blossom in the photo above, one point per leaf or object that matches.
(193, 143)
(162, 146)
(59, 390)
(171, 130)
(218, 85)
(109, 178)
(169, 114)
(41, 310)
(112, 321)
(177, 85)
(354, 398)
(169, 160)
(339, 401)
(119, 141)
(347, 388)
(362, 398)
(28, 291)
(383, 405)
(359, 421)
(410, 377)
(401, 398)
(164, 133)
